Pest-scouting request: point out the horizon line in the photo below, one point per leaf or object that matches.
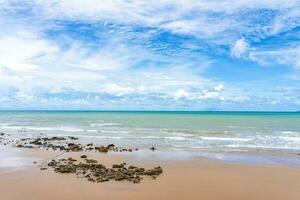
(124, 110)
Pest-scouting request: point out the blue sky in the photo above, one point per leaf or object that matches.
(150, 55)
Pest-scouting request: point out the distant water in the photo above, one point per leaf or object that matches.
(170, 130)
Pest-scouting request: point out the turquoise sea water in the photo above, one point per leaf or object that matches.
(170, 130)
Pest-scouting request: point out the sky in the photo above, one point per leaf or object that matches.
(150, 55)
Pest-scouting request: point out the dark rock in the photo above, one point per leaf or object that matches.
(102, 149)
(119, 176)
(110, 146)
(74, 147)
(102, 179)
(52, 163)
(91, 161)
(83, 156)
(154, 172)
(65, 169)
(55, 138)
(95, 172)
(72, 159)
(118, 166)
(73, 138)
(36, 141)
(136, 180)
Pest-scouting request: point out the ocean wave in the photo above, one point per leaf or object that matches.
(34, 128)
(104, 124)
(217, 132)
(260, 146)
(295, 139)
(278, 139)
(101, 137)
(289, 132)
(226, 139)
(177, 138)
(113, 131)
(183, 134)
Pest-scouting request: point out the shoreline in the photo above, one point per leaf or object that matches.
(247, 156)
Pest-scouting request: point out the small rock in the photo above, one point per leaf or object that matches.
(72, 159)
(118, 166)
(101, 149)
(91, 161)
(156, 171)
(73, 138)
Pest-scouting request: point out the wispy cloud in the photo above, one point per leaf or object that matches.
(121, 54)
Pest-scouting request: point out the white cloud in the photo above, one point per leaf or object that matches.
(239, 48)
(181, 93)
(18, 53)
(219, 87)
(289, 57)
(117, 90)
(286, 21)
(201, 18)
(81, 69)
(210, 95)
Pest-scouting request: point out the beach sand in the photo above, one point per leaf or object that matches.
(196, 178)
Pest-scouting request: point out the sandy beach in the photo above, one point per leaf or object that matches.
(196, 178)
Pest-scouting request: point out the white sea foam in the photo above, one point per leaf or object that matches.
(101, 137)
(226, 139)
(105, 124)
(182, 134)
(176, 138)
(113, 131)
(289, 132)
(261, 146)
(149, 137)
(35, 128)
(295, 139)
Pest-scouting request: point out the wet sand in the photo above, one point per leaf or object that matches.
(196, 178)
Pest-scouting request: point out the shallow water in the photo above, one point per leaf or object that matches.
(12, 159)
(222, 131)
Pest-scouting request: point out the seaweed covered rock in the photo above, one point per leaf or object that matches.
(96, 172)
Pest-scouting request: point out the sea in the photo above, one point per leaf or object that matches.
(176, 130)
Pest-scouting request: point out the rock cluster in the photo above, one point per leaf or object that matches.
(85, 167)
(63, 144)
(96, 172)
